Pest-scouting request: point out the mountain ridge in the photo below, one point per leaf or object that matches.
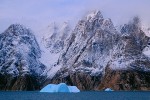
(94, 45)
(92, 56)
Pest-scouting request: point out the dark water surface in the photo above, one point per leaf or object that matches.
(101, 95)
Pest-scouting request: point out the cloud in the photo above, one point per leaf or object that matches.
(39, 13)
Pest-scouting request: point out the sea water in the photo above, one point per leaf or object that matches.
(87, 95)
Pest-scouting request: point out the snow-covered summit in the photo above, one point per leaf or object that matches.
(18, 29)
(94, 15)
(19, 52)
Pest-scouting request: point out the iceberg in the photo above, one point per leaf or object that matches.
(108, 89)
(62, 87)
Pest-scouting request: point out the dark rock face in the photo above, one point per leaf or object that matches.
(27, 82)
(82, 80)
(126, 80)
(19, 64)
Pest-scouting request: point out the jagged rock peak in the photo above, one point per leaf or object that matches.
(18, 29)
(95, 20)
(133, 26)
(96, 14)
(16, 26)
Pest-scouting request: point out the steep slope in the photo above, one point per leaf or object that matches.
(20, 68)
(88, 51)
(95, 45)
(54, 41)
(55, 37)
(93, 37)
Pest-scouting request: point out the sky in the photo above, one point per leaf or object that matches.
(37, 14)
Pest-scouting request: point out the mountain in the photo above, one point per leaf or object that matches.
(20, 68)
(96, 50)
(95, 55)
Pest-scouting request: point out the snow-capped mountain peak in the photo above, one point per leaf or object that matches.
(17, 29)
(20, 49)
(96, 14)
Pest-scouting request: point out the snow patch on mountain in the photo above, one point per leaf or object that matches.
(53, 70)
(48, 58)
(146, 50)
(54, 39)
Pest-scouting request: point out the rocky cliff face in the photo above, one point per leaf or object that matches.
(125, 79)
(96, 46)
(19, 65)
(90, 45)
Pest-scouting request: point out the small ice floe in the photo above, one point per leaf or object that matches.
(62, 87)
(108, 89)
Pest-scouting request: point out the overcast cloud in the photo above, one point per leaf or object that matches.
(37, 14)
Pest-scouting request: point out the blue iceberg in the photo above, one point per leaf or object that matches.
(108, 89)
(62, 87)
